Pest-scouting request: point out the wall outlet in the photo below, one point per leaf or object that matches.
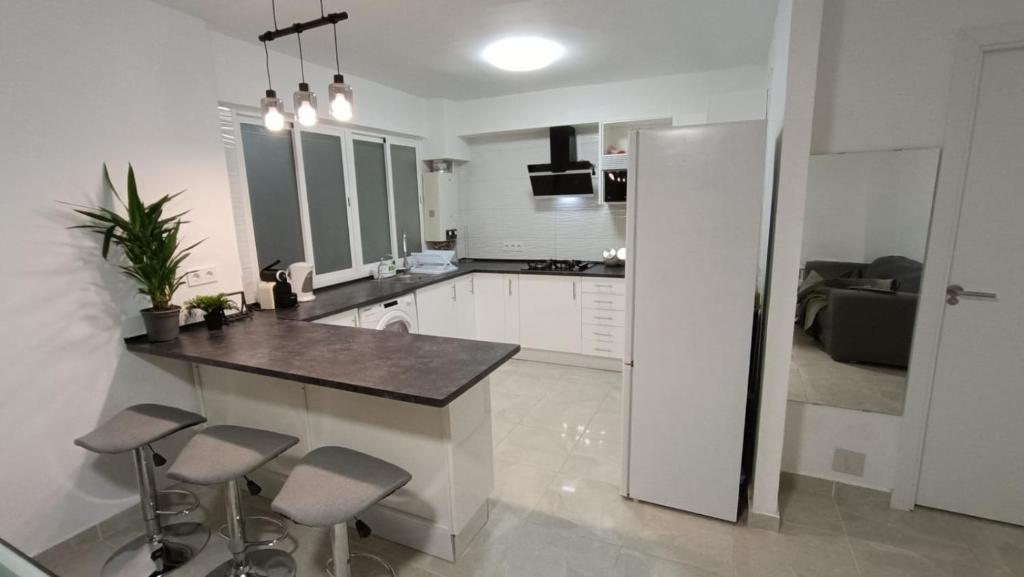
(513, 246)
(849, 462)
(201, 276)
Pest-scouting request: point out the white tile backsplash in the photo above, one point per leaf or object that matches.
(497, 205)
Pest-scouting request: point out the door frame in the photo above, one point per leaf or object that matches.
(971, 46)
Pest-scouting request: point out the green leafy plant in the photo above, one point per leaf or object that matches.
(150, 241)
(211, 303)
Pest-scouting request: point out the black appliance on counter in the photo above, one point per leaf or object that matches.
(559, 265)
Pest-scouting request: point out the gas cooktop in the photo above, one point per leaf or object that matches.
(559, 265)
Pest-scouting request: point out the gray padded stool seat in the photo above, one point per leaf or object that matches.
(332, 485)
(225, 454)
(162, 548)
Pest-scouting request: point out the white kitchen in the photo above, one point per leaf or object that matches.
(448, 290)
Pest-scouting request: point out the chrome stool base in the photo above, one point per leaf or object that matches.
(258, 563)
(176, 502)
(141, 557)
(274, 529)
(329, 568)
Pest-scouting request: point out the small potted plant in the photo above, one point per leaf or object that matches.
(214, 307)
(151, 245)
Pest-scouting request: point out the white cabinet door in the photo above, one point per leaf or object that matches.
(435, 306)
(511, 284)
(345, 319)
(465, 304)
(490, 297)
(550, 313)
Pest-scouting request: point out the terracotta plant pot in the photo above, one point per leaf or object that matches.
(161, 325)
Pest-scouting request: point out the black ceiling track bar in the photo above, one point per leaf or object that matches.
(300, 27)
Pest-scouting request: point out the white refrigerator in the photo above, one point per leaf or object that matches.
(694, 204)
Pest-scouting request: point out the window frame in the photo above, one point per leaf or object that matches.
(359, 268)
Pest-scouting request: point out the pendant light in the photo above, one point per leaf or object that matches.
(271, 106)
(340, 93)
(305, 100)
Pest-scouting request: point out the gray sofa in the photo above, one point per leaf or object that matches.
(868, 325)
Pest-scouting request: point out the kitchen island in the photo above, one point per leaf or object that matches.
(420, 402)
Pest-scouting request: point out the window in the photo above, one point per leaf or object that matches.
(339, 200)
(273, 198)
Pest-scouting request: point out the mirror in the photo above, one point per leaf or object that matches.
(865, 230)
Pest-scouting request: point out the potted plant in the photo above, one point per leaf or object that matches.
(214, 307)
(151, 245)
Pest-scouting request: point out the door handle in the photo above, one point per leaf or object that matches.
(955, 292)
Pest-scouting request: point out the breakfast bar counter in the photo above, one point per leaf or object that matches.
(420, 402)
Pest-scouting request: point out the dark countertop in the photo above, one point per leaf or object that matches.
(339, 298)
(419, 369)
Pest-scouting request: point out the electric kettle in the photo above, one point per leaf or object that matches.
(300, 275)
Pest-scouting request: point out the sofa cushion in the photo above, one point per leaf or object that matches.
(905, 272)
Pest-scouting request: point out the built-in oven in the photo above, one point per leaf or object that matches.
(615, 185)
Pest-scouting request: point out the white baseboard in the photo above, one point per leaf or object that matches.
(571, 359)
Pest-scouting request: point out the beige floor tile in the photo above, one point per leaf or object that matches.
(519, 486)
(539, 448)
(598, 447)
(794, 551)
(589, 508)
(606, 425)
(569, 418)
(511, 407)
(635, 564)
(881, 560)
(524, 385)
(808, 509)
(579, 392)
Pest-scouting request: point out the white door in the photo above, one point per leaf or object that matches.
(465, 305)
(490, 307)
(435, 306)
(973, 458)
(694, 237)
(550, 313)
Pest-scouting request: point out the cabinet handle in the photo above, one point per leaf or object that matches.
(603, 318)
(604, 334)
(603, 302)
(603, 285)
(509, 287)
(574, 291)
(472, 285)
(453, 293)
(602, 350)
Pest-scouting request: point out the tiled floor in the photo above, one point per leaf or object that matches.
(556, 513)
(815, 378)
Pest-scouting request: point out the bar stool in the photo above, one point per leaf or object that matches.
(162, 548)
(226, 454)
(332, 485)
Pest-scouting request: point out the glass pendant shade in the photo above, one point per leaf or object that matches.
(305, 105)
(341, 99)
(272, 108)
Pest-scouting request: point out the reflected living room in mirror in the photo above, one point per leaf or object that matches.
(865, 231)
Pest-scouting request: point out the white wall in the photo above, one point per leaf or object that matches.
(814, 432)
(866, 205)
(886, 66)
(86, 83)
(718, 96)
(497, 204)
(805, 30)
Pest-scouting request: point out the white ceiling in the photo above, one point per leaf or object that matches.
(432, 47)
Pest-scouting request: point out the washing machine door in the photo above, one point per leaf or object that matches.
(396, 322)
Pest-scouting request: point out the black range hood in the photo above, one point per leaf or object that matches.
(565, 175)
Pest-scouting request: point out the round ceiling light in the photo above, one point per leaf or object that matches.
(522, 54)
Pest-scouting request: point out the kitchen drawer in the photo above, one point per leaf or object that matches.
(603, 334)
(599, 349)
(604, 318)
(604, 286)
(604, 302)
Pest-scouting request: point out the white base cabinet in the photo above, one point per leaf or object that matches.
(465, 305)
(550, 313)
(437, 310)
(497, 307)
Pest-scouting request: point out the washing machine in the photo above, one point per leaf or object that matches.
(396, 315)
